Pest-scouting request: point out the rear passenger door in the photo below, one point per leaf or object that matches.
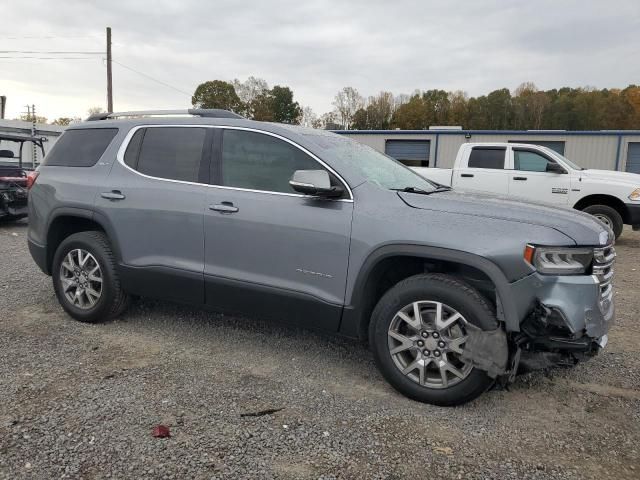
(485, 171)
(153, 200)
(270, 251)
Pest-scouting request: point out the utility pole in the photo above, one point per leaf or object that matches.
(109, 77)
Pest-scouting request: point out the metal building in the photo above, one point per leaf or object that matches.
(605, 149)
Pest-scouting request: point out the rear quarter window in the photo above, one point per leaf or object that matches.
(80, 148)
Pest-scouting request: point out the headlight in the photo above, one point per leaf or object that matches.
(635, 195)
(559, 260)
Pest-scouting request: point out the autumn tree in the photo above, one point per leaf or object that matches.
(62, 121)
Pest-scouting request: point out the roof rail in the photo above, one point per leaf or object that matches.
(197, 112)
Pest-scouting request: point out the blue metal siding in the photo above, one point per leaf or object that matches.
(410, 152)
(633, 157)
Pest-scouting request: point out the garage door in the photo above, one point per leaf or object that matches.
(413, 153)
(555, 146)
(633, 157)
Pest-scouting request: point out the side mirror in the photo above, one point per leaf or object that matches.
(555, 168)
(314, 182)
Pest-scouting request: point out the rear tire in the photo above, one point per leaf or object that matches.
(398, 343)
(85, 278)
(607, 215)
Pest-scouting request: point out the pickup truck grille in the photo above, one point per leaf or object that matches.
(603, 263)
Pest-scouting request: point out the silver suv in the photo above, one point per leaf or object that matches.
(452, 290)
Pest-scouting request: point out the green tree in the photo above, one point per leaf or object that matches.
(500, 109)
(285, 109)
(412, 115)
(217, 94)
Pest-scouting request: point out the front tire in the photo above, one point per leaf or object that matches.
(85, 278)
(607, 215)
(417, 334)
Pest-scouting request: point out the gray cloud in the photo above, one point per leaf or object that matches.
(316, 47)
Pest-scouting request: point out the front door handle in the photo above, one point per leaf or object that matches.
(519, 178)
(224, 207)
(466, 175)
(113, 195)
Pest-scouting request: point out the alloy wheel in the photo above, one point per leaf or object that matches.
(425, 340)
(81, 279)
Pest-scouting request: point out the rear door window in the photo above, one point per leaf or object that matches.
(492, 158)
(171, 152)
(80, 147)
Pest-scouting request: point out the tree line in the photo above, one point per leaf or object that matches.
(526, 108)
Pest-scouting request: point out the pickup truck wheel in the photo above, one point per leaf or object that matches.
(607, 215)
(417, 333)
(85, 278)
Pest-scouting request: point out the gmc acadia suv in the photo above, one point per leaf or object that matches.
(452, 290)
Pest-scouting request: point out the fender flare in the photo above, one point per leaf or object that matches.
(87, 214)
(353, 320)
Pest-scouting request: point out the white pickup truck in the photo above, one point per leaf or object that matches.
(538, 173)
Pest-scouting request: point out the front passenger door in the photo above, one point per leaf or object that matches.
(531, 180)
(269, 251)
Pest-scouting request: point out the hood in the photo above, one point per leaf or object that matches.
(632, 179)
(580, 227)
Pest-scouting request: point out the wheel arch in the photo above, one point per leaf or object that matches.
(67, 221)
(407, 260)
(604, 199)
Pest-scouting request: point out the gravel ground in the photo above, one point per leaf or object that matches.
(80, 401)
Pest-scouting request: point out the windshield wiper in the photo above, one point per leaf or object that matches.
(439, 188)
(411, 190)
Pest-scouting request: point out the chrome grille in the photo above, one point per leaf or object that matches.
(603, 267)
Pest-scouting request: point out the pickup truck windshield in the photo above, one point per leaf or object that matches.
(378, 168)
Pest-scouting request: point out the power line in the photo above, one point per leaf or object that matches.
(28, 37)
(52, 52)
(46, 58)
(151, 78)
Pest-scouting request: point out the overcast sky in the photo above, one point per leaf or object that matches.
(315, 47)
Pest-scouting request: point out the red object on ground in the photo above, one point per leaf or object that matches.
(160, 431)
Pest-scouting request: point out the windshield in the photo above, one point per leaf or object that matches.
(376, 167)
(571, 164)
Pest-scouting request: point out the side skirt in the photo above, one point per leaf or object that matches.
(262, 301)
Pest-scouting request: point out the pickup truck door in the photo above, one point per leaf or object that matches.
(271, 252)
(483, 170)
(531, 178)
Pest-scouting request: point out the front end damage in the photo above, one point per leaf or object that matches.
(569, 317)
(564, 319)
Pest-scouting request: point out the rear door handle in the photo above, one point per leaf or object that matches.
(113, 195)
(519, 178)
(466, 175)
(224, 207)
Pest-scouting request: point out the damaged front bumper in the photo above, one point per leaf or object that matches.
(572, 312)
(568, 316)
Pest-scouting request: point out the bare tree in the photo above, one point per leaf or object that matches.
(347, 102)
(328, 121)
(309, 118)
(250, 88)
(94, 110)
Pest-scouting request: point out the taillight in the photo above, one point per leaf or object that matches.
(31, 178)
